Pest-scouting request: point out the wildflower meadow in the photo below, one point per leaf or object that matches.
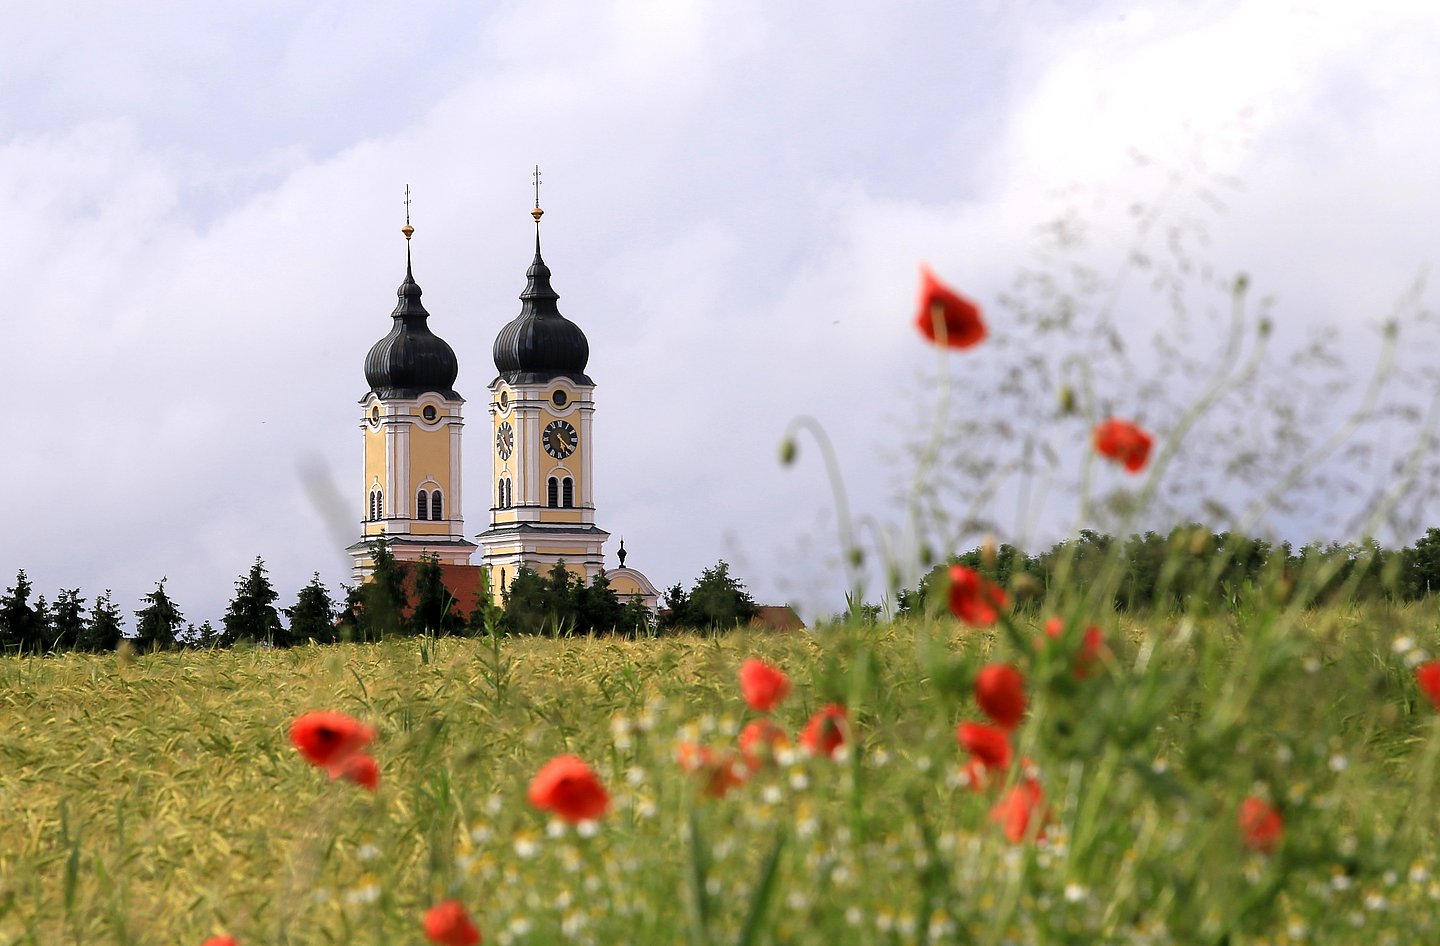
(1011, 764)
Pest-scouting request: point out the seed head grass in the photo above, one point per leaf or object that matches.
(158, 799)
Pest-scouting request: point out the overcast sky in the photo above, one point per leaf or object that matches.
(202, 203)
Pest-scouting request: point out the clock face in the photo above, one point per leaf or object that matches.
(505, 440)
(560, 439)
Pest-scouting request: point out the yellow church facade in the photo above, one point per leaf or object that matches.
(541, 411)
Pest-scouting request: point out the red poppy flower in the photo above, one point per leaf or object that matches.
(1428, 676)
(221, 941)
(758, 742)
(1022, 805)
(1260, 825)
(568, 787)
(945, 317)
(1000, 691)
(1123, 442)
(359, 768)
(1090, 645)
(989, 744)
(718, 772)
(762, 684)
(826, 731)
(989, 748)
(326, 737)
(973, 598)
(448, 924)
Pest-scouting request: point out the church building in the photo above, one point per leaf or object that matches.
(542, 496)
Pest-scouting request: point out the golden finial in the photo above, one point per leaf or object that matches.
(407, 229)
(537, 213)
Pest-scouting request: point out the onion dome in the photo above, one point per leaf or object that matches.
(540, 344)
(411, 360)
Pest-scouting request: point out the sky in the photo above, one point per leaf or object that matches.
(203, 205)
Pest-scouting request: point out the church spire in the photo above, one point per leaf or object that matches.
(409, 308)
(408, 231)
(540, 344)
(411, 359)
(537, 277)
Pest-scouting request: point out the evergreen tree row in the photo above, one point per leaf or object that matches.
(559, 603)
(39, 627)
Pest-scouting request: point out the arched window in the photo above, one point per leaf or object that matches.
(568, 488)
(435, 508)
(509, 493)
(379, 504)
(422, 504)
(552, 492)
(371, 511)
(500, 495)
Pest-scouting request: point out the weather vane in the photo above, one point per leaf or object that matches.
(537, 213)
(407, 229)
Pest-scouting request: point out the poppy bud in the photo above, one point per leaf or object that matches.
(989, 552)
(1025, 585)
(1067, 400)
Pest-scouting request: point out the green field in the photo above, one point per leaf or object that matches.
(158, 800)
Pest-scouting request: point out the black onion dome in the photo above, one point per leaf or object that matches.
(540, 344)
(411, 360)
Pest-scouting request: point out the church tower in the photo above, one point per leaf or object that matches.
(542, 503)
(411, 422)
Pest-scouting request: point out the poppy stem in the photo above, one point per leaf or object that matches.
(850, 552)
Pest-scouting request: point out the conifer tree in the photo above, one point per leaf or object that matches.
(486, 617)
(562, 599)
(347, 626)
(205, 636)
(251, 615)
(68, 621)
(157, 624)
(313, 616)
(103, 630)
(600, 609)
(435, 607)
(17, 616)
(526, 602)
(42, 629)
(381, 610)
(635, 616)
(677, 609)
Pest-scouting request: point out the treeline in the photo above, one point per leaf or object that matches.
(31, 625)
(1190, 567)
(402, 598)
